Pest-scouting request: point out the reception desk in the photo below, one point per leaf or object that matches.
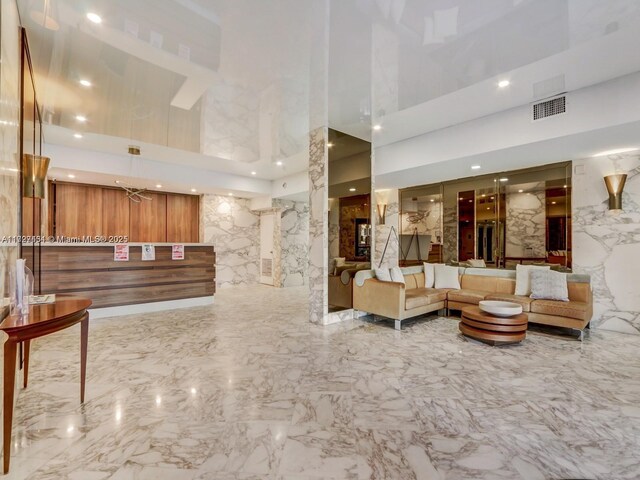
(89, 270)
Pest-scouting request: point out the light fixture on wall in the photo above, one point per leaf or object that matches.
(34, 175)
(382, 212)
(615, 185)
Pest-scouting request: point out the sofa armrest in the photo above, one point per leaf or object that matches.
(380, 298)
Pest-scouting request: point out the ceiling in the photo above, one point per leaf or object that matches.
(235, 85)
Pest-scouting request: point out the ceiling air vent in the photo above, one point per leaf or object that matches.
(548, 108)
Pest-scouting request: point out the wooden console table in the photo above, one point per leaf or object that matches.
(42, 320)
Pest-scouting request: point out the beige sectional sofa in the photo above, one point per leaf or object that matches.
(399, 302)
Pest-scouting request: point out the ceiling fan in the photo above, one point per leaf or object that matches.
(134, 194)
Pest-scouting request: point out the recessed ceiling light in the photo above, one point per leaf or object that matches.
(71, 175)
(461, 198)
(553, 203)
(77, 135)
(377, 127)
(279, 163)
(504, 179)
(158, 186)
(330, 144)
(118, 181)
(254, 173)
(475, 167)
(488, 208)
(193, 190)
(615, 151)
(483, 195)
(504, 83)
(85, 83)
(230, 194)
(94, 17)
(491, 198)
(520, 191)
(432, 200)
(564, 186)
(81, 118)
(352, 189)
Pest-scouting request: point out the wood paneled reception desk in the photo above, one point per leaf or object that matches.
(89, 270)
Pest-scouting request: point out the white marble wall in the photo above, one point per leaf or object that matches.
(605, 245)
(450, 233)
(334, 229)
(294, 242)
(429, 224)
(382, 232)
(318, 225)
(234, 229)
(526, 227)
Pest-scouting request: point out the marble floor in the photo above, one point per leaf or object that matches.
(248, 389)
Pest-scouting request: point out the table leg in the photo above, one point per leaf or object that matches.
(84, 340)
(9, 385)
(27, 348)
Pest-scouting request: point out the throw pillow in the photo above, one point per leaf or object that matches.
(477, 263)
(383, 274)
(430, 274)
(446, 277)
(523, 275)
(396, 275)
(549, 285)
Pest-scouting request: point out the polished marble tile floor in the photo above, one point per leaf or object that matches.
(248, 389)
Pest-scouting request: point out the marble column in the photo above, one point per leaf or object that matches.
(318, 225)
(526, 228)
(383, 234)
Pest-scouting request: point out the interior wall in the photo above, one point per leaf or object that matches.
(10, 115)
(294, 242)
(607, 246)
(383, 234)
(234, 229)
(526, 223)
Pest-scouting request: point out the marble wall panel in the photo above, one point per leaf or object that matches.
(450, 233)
(318, 225)
(334, 229)
(606, 245)
(294, 241)
(383, 232)
(526, 223)
(234, 230)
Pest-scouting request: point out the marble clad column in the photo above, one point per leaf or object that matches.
(382, 232)
(318, 225)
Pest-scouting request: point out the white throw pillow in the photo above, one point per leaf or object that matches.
(430, 274)
(549, 285)
(383, 274)
(446, 277)
(477, 263)
(523, 278)
(396, 275)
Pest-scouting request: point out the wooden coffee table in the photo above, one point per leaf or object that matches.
(494, 330)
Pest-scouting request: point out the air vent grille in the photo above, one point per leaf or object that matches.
(548, 108)
(267, 267)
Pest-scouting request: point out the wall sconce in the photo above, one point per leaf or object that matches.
(615, 185)
(34, 174)
(382, 211)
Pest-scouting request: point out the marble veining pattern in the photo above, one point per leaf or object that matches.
(318, 225)
(294, 241)
(383, 232)
(526, 228)
(450, 233)
(607, 245)
(247, 388)
(234, 230)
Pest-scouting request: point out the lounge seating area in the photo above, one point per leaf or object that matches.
(399, 301)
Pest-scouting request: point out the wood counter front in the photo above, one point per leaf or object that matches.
(91, 272)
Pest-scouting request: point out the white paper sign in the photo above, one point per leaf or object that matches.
(148, 252)
(121, 252)
(177, 252)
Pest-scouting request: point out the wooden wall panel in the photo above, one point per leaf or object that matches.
(78, 210)
(28, 222)
(148, 219)
(90, 271)
(115, 212)
(182, 218)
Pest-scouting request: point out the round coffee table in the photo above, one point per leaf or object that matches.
(494, 330)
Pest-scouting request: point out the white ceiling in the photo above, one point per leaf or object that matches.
(230, 85)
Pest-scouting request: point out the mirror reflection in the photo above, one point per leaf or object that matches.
(350, 232)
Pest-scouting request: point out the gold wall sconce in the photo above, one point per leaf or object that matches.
(34, 175)
(382, 212)
(615, 185)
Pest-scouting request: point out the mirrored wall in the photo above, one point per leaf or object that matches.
(498, 220)
(350, 232)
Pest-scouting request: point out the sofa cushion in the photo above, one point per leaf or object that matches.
(472, 297)
(577, 310)
(396, 275)
(420, 297)
(549, 285)
(523, 278)
(507, 297)
(446, 276)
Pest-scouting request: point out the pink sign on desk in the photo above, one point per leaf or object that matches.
(121, 252)
(177, 252)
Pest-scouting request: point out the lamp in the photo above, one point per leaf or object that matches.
(615, 185)
(34, 174)
(382, 211)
